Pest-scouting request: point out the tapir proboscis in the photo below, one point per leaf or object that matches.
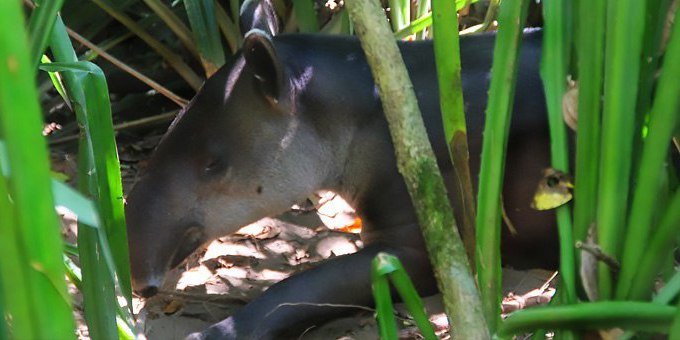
(294, 114)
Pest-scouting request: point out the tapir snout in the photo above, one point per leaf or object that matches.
(158, 227)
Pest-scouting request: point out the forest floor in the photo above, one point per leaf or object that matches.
(231, 271)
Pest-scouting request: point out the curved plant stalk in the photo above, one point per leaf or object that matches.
(554, 64)
(88, 94)
(640, 316)
(41, 303)
(663, 122)
(416, 163)
(447, 57)
(175, 24)
(40, 25)
(498, 111)
(624, 43)
(174, 60)
(490, 16)
(415, 26)
(386, 268)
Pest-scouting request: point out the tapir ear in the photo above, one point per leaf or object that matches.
(258, 14)
(260, 55)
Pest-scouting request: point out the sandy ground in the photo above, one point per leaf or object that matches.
(233, 270)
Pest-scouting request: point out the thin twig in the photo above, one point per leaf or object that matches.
(118, 63)
(125, 125)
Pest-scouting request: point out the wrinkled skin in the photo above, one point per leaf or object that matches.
(295, 114)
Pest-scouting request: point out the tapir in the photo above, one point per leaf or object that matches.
(293, 114)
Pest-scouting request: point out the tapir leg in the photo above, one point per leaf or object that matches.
(344, 280)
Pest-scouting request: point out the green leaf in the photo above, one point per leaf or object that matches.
(498, 112)
(63, 194)
(100, 179)
(31, 242)
(384, 267)
(201, 15)
(40, 26)
(643, 316)
(305, 16)
(99, 132)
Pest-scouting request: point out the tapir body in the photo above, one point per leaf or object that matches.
(295, 114)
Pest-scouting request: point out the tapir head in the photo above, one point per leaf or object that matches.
(240, 151)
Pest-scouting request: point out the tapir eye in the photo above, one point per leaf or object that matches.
(215, 166)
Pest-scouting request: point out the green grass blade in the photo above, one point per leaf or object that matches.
(36, 231)
(98, 126)
(235, 7)
(674, 332)
(4, 333)
(423, 7)
(669, 291)
(663, 122)
(655, 30)
(642, 316)
(386, 265)
(447, 58)
(625, 22)
(659, 249)
(398, 9)
(305, 16)
(490, 15)
(16, 302)
(40, 26)
(77, 203)
(554, 65)
(229, 29)
(108, 159)
(175, 24)
(63, 194)
(201, 15)
(499, 109)
(590, 42)
(99, 298)
(56, 81)
(383, 299)
(97, 285)
(415, 26)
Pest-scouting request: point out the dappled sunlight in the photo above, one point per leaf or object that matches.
(335, 245)
(193, 277)
(218, 248)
